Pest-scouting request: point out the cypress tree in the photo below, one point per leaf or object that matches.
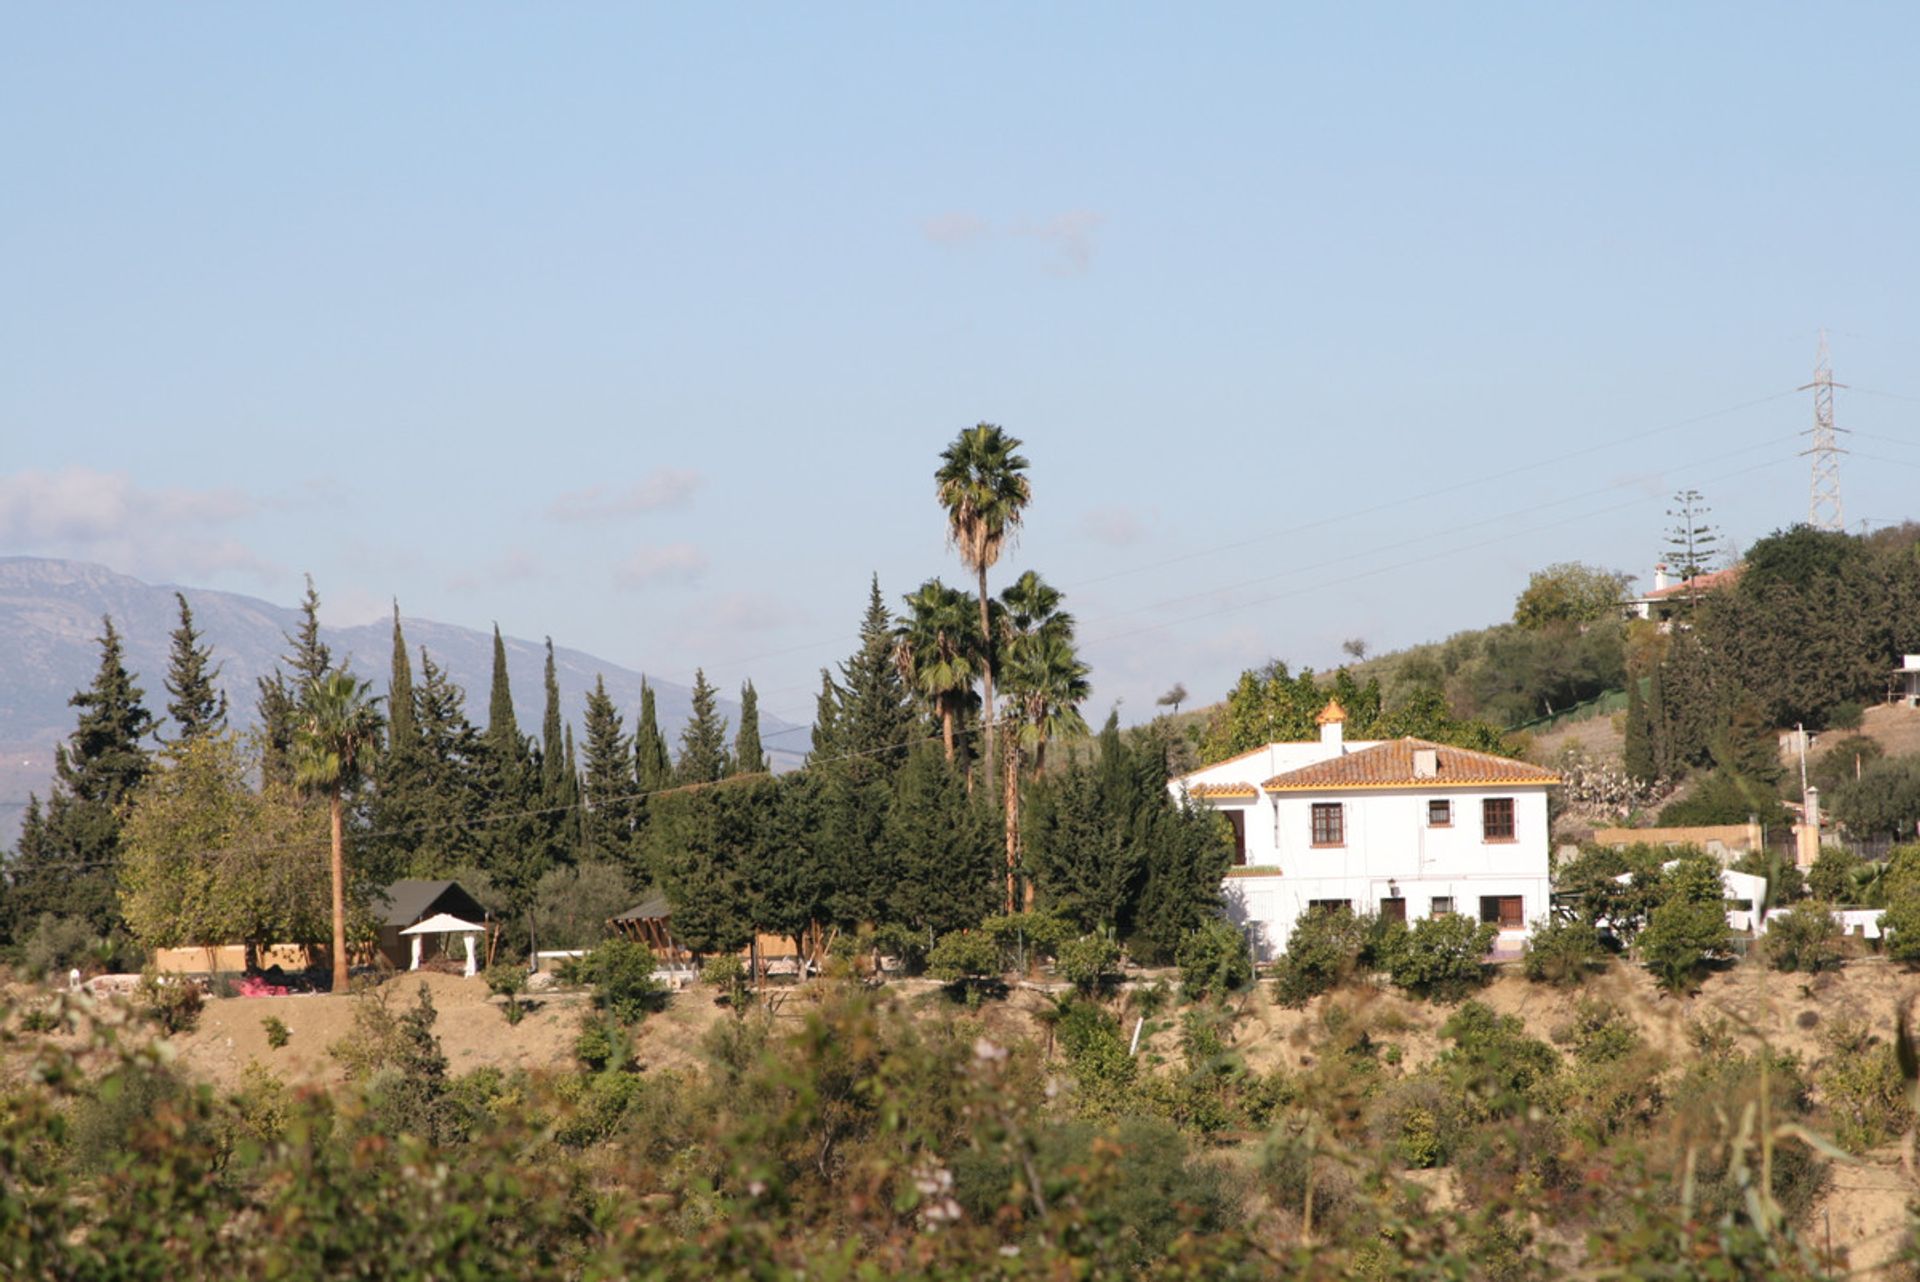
(748, 757)
(553, 766)
(943, 848)
(450, 799)
(559, 785)
(826, 721)
(609, 784)
(1639, 750)
(653, 768)
(503, 732)
(515, 856)
(196, 706)
(68, 864)
(703, 740)
(398, 809)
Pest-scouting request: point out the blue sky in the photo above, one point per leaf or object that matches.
(643, 326)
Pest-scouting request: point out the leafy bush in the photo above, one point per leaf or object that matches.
(620, 972)
(1785, 882)
(171, 1002)
(278, 1034)
(508, 980)
(1899, 890)
(1806, 938)
(1690, 927)
(727, 976)
(1832, 876)
(1088, 963)
(1214, 960)
(1096, 1051)
(1025, 939)
(1883, 801)
(40, 1019)
(1861, 1085)
(1845, 716)
(573, 905)
(1441, 957)
(1723, 797)
(1497, 1069)
(1842, 763)
(904, 943)
(964, 955)
(1323, 952)
(1563, 953)
(59, 944)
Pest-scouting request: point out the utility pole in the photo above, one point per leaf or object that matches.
(1823, 493)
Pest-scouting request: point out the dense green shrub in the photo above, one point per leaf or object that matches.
(1441, 957)
(1495, 1067)
(1088, 963)
(1845, 716)
(964, 955)
(1591, 880)
(621, 974)
(1832, 876)
(727, 976)
(172, 1002)
(1214, 961)
(1899, 890)
(1689, 928)
(1323, 952)
(1884, 801)
(1806, 939)
(1785, 882)
(1563, 953)
(278, 1034)
(1026, 939)
(508, 980)
(1096, 1051)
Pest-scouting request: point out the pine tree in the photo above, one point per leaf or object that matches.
(943, 847)
(310, 660)
(703, 741)
(874, 717)
(196, 706)
(450, 799)
(67, 865)
(748, 757)
(609, 784)
(653, 768)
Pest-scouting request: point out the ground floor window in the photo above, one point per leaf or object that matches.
(1440, 906)
(1393, 909)
(1439, 814)
(1505, 911)
(1330, 905)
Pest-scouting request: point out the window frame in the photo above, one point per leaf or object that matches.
(1237, 820)
(1445, 805)
(1336, 813)
(1434, 908)
(1488, 832)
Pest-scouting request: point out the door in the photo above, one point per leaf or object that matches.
(1394, 909)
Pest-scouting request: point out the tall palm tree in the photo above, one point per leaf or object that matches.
(982, 483)
(938, 651)
(338, 737)
(1045, 685)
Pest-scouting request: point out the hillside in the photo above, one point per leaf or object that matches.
(50, 614)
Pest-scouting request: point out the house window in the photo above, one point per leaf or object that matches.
(1439, 814)
(1394, 909)
(1237, 820)
(1496, 819)
(1329, 905)
(1329, 824)
(1504, 911)
(1440, 906)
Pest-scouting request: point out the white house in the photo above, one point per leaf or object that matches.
(1402, 827)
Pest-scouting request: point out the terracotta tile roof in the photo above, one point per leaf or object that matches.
(1390, 765)
(1699, 583)
(1223, 790)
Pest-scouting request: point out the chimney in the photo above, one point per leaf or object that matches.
(1333, 721)
(1426, 763)
(1660, 577)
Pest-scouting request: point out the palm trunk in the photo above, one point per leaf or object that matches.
(946, 728)
(986, 674)
(1012, 777)
(335, 818)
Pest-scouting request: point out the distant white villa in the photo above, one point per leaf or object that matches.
(1401, 827)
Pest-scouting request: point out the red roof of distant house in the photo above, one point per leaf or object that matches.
(1392, 765)
(1698, 583)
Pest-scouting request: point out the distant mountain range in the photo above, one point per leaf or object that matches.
(50, 614)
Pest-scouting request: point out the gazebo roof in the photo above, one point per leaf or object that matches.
(443, 924)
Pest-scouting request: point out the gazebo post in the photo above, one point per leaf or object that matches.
(416, 953)
(470, 964)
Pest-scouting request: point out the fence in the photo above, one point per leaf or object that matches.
(1600, 705)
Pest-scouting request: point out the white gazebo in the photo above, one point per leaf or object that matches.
(445, 924)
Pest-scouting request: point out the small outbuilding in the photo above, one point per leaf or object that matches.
(415, 915)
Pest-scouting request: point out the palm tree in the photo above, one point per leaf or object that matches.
(938, 651)
(338, 736)
(982, 483)
(1046, 684)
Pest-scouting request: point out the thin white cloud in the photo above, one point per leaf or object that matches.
(752, 612)
(515, 566)
(681, 562)
(1069, 236)
(956, 229)
(664, 487)
(1116, 526)
(108, 516)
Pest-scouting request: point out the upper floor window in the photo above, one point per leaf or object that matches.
(1439, 814)
(1237, 820)
(1496, 819)
(1329, 824)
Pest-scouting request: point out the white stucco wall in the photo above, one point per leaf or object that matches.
(1388, 850)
